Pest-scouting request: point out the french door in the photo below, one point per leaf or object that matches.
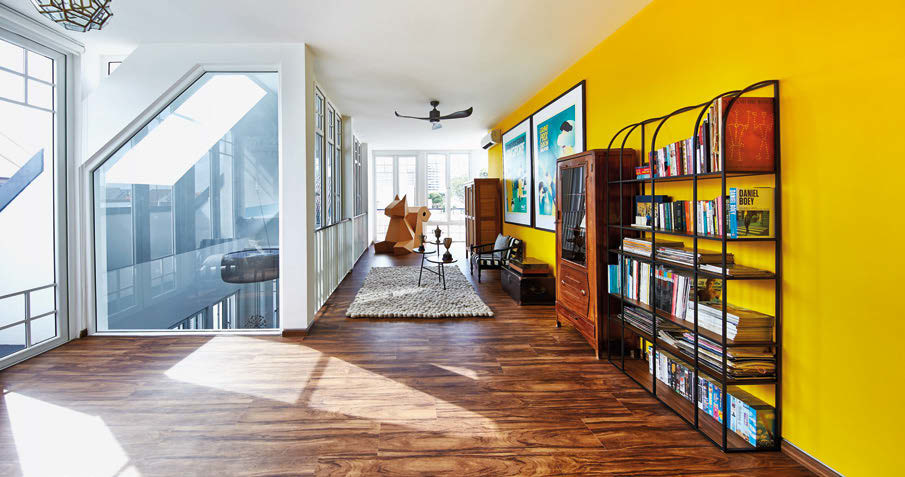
(33, 290)
(435, 179)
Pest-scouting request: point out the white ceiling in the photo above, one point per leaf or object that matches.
(377, 56)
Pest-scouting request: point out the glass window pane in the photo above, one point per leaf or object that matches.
(383, 181)
(457, 232)
(318, 179)
(407, 172)
(330, 118)
(436, 187)
(40, 94)
(319, 112)
(161, 215)
(12, 57)
(458, 177)
(12, 309)
(573, 214)
(117, 211)
(43, 329)
(338, 187)
(40, 66)
(194, 193)
(42, 301)
(12, 340)
(202, 203)
(328, 189)
(225, 185)
(12, 86)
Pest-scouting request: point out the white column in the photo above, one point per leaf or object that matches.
(297, 292)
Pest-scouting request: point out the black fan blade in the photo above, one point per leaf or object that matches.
(410, 117)
(458, 114)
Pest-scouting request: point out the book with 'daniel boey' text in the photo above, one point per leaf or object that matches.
(751, 212)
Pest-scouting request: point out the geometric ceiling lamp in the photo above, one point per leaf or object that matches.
(76, 15)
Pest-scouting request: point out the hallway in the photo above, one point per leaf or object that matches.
(511, 395)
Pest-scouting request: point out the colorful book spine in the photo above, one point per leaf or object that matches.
(733, 212)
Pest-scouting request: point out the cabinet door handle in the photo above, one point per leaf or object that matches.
(562, 281)
(583, 293)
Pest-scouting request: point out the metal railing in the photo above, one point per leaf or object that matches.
(27, 312)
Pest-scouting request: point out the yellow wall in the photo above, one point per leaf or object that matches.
(842, 72)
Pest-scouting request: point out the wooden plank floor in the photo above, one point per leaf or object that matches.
(511, 395)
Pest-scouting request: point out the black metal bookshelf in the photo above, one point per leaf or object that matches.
(631, 361)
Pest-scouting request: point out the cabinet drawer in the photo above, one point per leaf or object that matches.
(581, 323)
(572, 289)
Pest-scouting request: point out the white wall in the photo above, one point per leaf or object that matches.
(120, 104)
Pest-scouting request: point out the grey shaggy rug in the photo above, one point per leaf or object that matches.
(393, 292)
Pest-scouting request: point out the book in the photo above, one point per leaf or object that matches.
(642, 172)
(749, 134)
(749, 417)
(644, 208)
(755, 420)
(751, 212)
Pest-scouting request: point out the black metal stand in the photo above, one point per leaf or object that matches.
(423, 253)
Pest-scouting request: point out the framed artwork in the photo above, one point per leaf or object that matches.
(558, 130)
(517, 183)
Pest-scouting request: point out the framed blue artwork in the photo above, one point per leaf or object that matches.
(558, 130)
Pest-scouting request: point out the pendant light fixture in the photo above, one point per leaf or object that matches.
(76, 15)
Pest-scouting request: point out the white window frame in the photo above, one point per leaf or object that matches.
(26, 32)
(336, 149)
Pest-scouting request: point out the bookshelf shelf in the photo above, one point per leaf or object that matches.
(637, 369)
(676, 353)
(767, 275)
(716, 238)
(691, 177)
(688, 326)
(666, 340)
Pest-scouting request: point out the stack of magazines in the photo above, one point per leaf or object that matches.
(685, 256)
(640, 246)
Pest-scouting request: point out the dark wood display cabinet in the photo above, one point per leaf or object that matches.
(582, 238)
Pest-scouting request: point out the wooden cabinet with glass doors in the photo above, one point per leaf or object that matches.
(581, 237)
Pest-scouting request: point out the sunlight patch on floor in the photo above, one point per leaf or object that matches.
(54, 440)
(369, 395)
(255, 367)
(460, 370)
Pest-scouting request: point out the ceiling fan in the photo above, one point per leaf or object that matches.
(435, 118)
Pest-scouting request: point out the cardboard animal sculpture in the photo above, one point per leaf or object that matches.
(405, 229)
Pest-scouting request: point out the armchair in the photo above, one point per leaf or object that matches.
(495, 255)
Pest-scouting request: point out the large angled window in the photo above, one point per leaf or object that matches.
(186, 220)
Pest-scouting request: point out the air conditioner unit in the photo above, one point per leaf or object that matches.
(491, 139)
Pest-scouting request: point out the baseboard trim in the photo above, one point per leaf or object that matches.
(302, 333)
(808, 461)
